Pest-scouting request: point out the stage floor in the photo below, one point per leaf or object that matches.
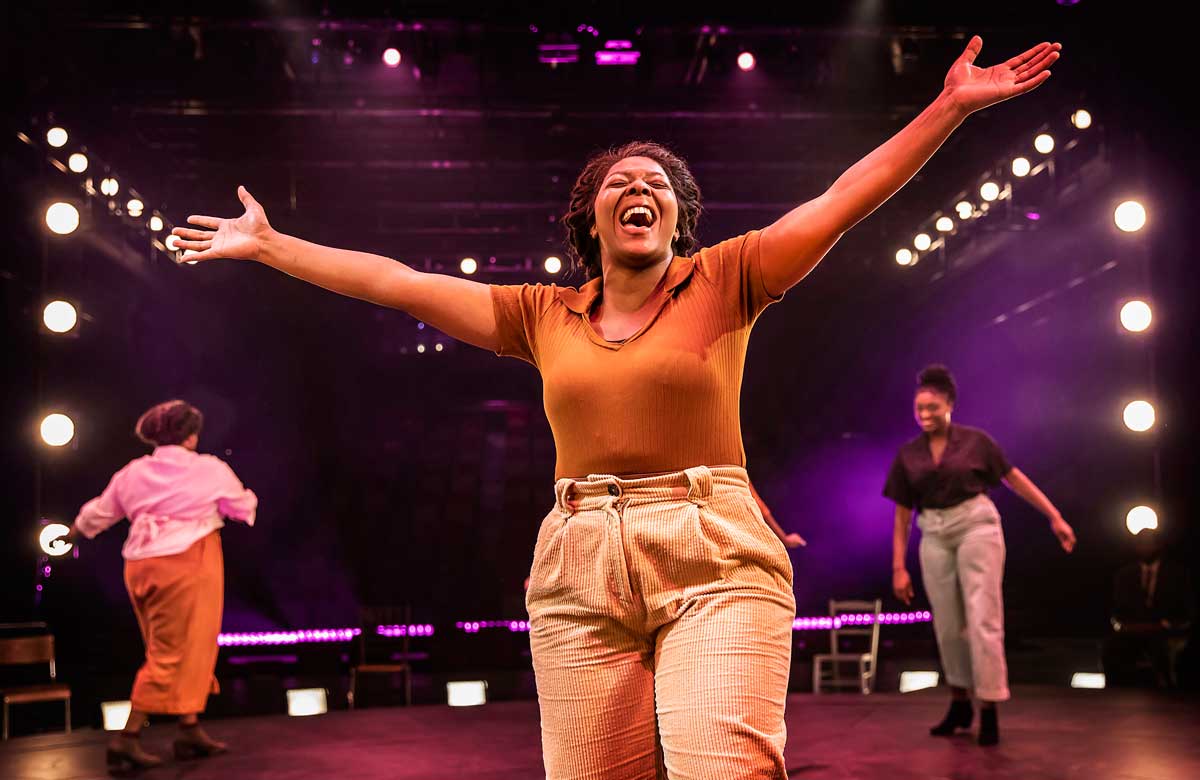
(1049, 733)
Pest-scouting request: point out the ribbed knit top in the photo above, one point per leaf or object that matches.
(666, 398)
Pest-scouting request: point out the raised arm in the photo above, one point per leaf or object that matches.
(792, 246)
(459, 308)
(99, 514)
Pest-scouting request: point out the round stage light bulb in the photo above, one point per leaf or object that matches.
(51, 541)
(57, 429)
(552, 265)
(1130, 216)
(77, 162)
(187, 253)
(421, 348)
(109, 186)
(746, 61)
(391, 57)
(944, 224)
(1081, 119)
(904, 257)
(468, 265)
(922, 241)
(172, 242)
(964, 209)
(59, 316)
(989, 191)
(438, 346)
(56, 137)
(62, 218)
(1136, 316)
(1141, 518)
(1021, 167)
(135, 207)
(156, 223)
(1044, 143)
(1139, 416)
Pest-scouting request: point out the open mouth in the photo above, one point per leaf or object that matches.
(638, 219)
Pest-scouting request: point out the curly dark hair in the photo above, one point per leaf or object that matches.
(584, 250)
(170, 422)
(938, 378)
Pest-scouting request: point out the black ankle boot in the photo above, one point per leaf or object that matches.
(959, 716)
(989, 727)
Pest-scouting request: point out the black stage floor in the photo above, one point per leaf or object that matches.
(1046, 732)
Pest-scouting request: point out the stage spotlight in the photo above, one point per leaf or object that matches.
(468, 265)
(1020, 167)
(916, 681)
(466, 694)
(1141, 518)
(964, 209)
(1044, 143)
(59, 316)
(171, 242)
(57, 429)
(746, 61)
(1092, 680)
(1130, 216)
(116, 714)
(552, 265)
(1136, 316)
(1081, 119)
(1138, 416)
(77, 162)
(306, 701)
(904, 257)
(989, 191)
(156, 223)
(134, 207)
(188, 253)
(62, 218)
(109, 186)
(391, 57)
(438, 347)
(421, 349)
(56, 137)
(922, 241)
(944, 224)
(51, 540)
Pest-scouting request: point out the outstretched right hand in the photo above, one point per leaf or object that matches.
(238, 239)
(902, 585)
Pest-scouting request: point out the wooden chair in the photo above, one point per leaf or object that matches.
(865, 659)
(23, 651)
(373, 651)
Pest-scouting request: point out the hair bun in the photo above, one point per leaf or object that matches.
(937, 377)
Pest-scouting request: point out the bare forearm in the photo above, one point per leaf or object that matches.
(879, 175)
(900, 533)
(778, 529)
(458, 307)
(1024, 487)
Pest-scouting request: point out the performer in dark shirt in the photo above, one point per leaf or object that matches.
(944, 474)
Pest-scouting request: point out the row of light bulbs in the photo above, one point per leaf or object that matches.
(552, 265)
(1130, 216)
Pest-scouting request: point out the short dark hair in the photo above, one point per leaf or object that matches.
(170, 422)
(938, 378)
(583, 248)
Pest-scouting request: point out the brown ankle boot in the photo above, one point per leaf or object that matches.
(194, 742)
(125, 753)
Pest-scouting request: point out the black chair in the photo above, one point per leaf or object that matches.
(378, 653)
(24, 651)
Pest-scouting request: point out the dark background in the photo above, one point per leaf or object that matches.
(386, 475)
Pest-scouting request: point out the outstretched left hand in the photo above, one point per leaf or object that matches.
(973, 88)
(1063, 532)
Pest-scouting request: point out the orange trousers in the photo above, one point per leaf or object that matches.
(661, 616)
(178, 601)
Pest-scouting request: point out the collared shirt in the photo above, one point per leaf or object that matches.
(172, 497)
(971, 463)
(664, 399)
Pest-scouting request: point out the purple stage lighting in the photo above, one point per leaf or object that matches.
(617, 57)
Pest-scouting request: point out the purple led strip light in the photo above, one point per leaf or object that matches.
(315, 635)
(827, 622)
